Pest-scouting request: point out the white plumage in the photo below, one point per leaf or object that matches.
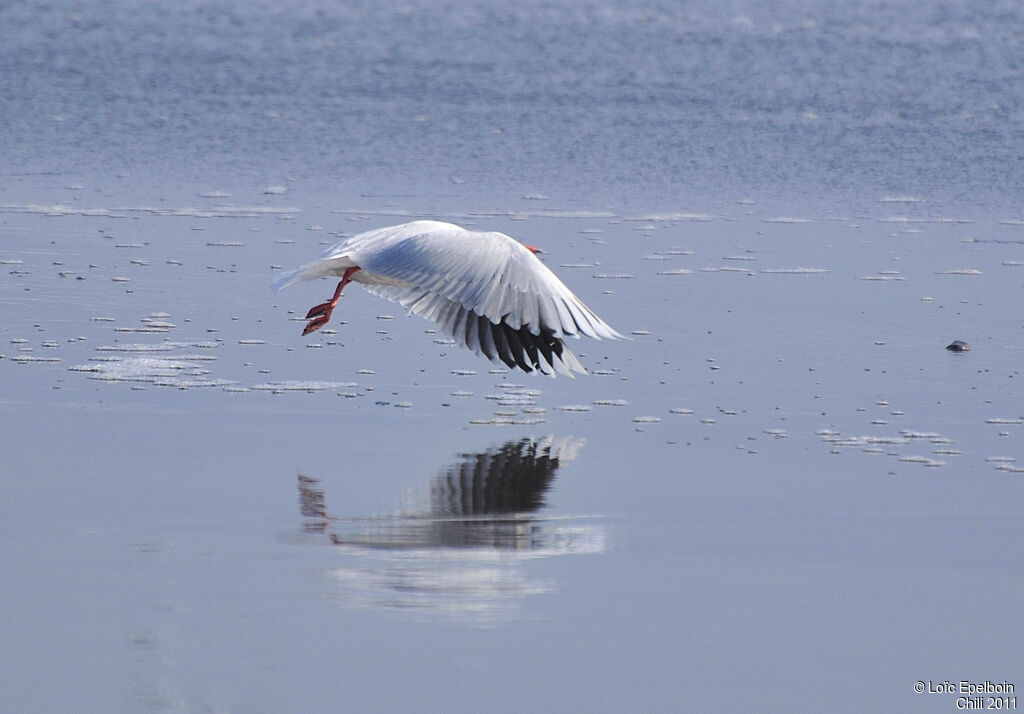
(486, 291)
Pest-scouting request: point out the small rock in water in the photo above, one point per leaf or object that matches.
(958, 346)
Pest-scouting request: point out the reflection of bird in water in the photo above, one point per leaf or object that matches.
(484, 499)
(456, 550)
(312, 505)
(509, 479)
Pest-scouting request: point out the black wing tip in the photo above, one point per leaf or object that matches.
(518, 348)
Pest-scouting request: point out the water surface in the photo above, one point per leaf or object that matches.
(782, 492)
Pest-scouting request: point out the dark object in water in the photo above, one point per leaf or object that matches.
(958, 346)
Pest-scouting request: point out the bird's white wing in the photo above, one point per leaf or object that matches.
(489, 274)
(485, 290)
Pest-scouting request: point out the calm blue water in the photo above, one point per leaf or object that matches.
(594, 102)
(781, 494)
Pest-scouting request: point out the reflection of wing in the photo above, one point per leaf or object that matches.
(483, 500)
(312, 505)
(510, 479)
(456, 552)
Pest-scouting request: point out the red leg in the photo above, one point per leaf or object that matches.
(320, 315)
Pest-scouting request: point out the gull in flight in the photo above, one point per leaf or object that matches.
(485, 290)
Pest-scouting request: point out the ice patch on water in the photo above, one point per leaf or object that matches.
(727, 269)
(165, 347)
(60, 210)
(884, 277)
(500, 420)
(161, 371)
(298, 385)
(795, 271)
(126, 211)
(161, 347)
(672, 217)
(940, 219)
(26, 359)
(924, 460)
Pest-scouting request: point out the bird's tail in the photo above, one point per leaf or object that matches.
(311, 271)
(291, 277)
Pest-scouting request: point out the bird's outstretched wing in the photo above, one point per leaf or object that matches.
(485, 290)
